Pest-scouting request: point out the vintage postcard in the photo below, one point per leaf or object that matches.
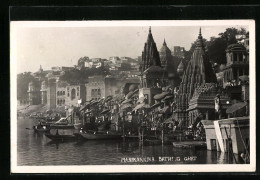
(132, 96)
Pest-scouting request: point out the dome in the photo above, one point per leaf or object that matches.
(165, 49)
(236, 47)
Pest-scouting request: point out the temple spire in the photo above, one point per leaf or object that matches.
(200, 36)
(164, 43)
(150, 54)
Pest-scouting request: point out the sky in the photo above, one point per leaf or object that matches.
(63, 46)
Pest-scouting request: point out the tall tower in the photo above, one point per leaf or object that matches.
(44, 92)
(198, 72)
(150, 54)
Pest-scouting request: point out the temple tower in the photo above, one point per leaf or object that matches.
(153, 76)
(150, 54)
(198, 72)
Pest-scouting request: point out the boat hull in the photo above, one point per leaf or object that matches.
(56, 126)
(61, 137)
(100, 136)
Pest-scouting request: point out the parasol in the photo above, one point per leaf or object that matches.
(146, 106)
(244, 78)
(126, 101)
(105, 111)
(235, 107)
(129, 95)
(109, 98)
(169, 97)
(88, 111)
(160, 96)
(94, 103)
(155, 105)
(169, 120)
(141, 99)
(138, 106)
(125, 106)
(84, 107)
(166, 110)
(136, 91)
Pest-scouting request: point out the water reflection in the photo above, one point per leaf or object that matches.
(36, 149)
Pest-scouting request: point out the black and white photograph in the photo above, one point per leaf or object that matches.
(132, 96)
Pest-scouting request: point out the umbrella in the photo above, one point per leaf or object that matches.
(125, 106)
(146, 106)
(109, 98)
(141, 99)
(244, 78)
(168, 98)
(88, 111)
(101, 100)
(135, 96)
(136, 91)
(126, 101)
(129, 95)
(160, 96)
(169, 120)
(156, 105)
(166, 110)
(84, 107)
(138, 106)
(105, 111)
(235, 107)
(94, 103)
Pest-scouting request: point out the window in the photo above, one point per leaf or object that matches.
(234, 57)
(73, 94)
(213, 144)
(240, 57)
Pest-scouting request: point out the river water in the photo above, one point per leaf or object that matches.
(36, 149)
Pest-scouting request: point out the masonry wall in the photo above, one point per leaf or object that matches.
(51, 94)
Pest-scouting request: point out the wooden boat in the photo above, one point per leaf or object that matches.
(61, 137)
(62, 124)
(41, 128)
(99, 135)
